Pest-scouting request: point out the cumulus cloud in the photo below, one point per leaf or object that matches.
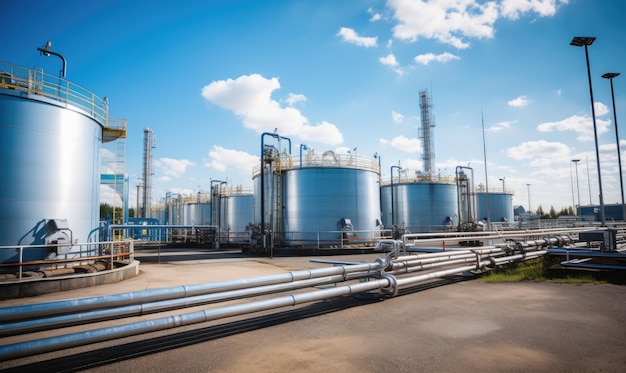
(520, 101)
(513, 9)
(540, 153)
(583, 125)
(600, 109)
(172, 167)
(403, 143)
(389, 60)
(501, 126)
(453, 21)
(223, 160)
(250, 98)
(293, 99)
(350, 36)
(397, 117)
(375, 15)
(425, 59)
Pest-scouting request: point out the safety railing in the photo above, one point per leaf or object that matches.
(38, 83)
(90, 252)
(327, 159)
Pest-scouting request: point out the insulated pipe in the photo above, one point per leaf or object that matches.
(388, 284)
(27, 348)
(64, 320)
(106, 301)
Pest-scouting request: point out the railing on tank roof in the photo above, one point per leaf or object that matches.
(493, 190)
(37, 82)
(328, 159)
(420, 178)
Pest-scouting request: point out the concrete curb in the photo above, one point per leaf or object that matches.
(30, 288)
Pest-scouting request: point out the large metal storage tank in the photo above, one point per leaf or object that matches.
(238, 216)
(498, 204)
(49, 184)
(197, 213)
(329, 199)
(421, 204)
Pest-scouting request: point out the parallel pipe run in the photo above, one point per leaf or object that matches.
(380, 275)
(58, 321)
(22, 349)
(29, 311)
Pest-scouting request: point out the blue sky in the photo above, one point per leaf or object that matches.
(210, 76)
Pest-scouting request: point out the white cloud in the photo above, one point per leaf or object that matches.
(520, 101)
(600, 109)
(501, 126)
(425, 59)
(397, 117)
(453, 21)
(223, 160)
(540, 153)
(403, 143)
(172, 167)
(512, 9)
(581, 124)
(293, 99)
(350, 36)
(446, 21)
(249, 97)
(375, 15)
(389, 60)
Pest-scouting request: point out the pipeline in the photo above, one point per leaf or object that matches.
(382, 275)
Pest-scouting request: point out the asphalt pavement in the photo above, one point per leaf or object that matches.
(452, 325)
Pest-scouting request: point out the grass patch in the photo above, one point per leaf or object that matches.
(537, 270)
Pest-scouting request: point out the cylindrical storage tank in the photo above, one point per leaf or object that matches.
(329, 200)
(421, 205)
(50, 180)
(498, 204)
(175, 213)
(197, 214)
(238, 216)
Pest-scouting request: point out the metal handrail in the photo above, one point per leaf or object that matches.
(117, 249)
(325, 160)
(38, 83)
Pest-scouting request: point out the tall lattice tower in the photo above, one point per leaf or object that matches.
(149, 143)
(426, 133)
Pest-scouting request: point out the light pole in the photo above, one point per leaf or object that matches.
(392, 203)
(577, 185)
(586, 41)
(529, 208)
(610, 77)
(571, 181)
(47, 51)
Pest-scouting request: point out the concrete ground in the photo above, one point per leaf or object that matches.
(443, 326)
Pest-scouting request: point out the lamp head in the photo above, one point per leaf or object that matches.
(610, 75)
(579, 41)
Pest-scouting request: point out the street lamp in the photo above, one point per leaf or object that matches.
(47, 51)
(586, 41)
(392, 204)
(577, 185)
(610, 77)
